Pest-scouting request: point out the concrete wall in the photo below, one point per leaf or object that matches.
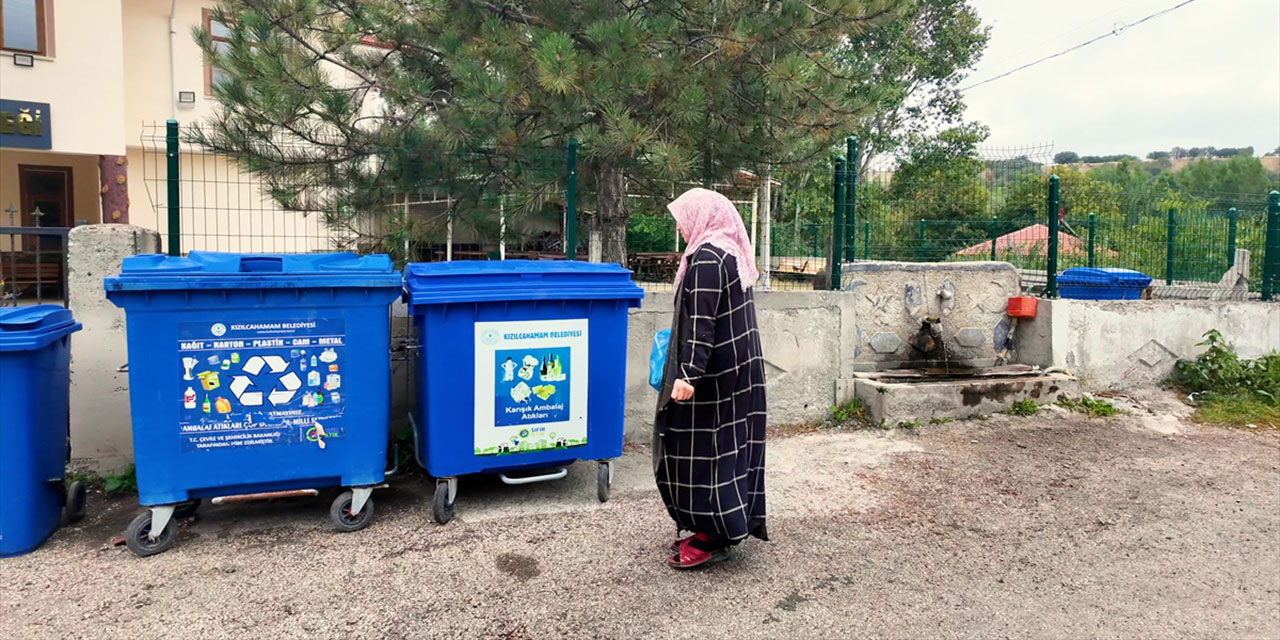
(1114, 345)
(101, 438)
(804, 335)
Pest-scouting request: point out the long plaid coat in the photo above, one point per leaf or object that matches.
(708, 452)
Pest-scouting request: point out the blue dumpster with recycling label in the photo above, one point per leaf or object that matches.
(521, 369)
(35, 357)
(255, 376)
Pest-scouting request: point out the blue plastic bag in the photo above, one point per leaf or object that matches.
(658, 358)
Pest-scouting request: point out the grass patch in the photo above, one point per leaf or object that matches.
(1091, 407)
(851, 411)
(123, 482)
(1229, 391)
(89, 479)
(1024, 407)
(910, 424)
(940, 420)
(1238, 410)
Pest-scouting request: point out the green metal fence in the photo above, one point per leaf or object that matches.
(1015, 211)
(1003, 205)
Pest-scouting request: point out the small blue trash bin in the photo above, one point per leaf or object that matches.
(1089, 283)
(521, 366)
(255, 374)
(35, 357)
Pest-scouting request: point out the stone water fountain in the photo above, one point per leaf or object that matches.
(935, 342)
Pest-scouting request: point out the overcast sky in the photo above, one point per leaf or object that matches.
(1206, 74)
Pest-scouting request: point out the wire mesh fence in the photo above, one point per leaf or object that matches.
(991, 204)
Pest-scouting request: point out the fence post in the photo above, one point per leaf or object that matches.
(171, 180)
(571, 203)
(850, 199)
(1168, 247)
(1051, 264)
(993, 238)
(866, 241)
(837, 226)
(1271, 249)
(920, 241)
(1233, 218)
(1093, 224)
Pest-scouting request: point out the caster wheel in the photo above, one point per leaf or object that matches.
(340, 513)
(137, 536)
(603, 482)
(442, 508)
(75, 501)
(184, 510)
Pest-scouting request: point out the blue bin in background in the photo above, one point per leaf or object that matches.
(253, 374)
(35, 358)
(1089, 283)
(521, 366)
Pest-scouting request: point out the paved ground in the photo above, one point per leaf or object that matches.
(1051, 526)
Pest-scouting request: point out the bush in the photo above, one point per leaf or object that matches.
(1024, 407)
(1228, 390)
(1219, 371)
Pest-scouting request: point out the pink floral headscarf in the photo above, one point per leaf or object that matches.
(709, 218)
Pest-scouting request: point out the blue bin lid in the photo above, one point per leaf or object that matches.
(1104, 277)
(28, 328)
(212, 270)
(511, 280)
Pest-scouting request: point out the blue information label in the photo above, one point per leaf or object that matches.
(261, 383)
(532, 386)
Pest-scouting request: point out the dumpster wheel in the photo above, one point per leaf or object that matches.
(340, 513)
(442, 507)
(184, 510)
(604, 480)
(138, 536)
(76, 497)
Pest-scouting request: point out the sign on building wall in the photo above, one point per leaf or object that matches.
(25, 125)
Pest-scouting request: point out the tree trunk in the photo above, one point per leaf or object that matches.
(113, 174)
(611, 210)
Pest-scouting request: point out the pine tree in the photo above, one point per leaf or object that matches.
(343, 104)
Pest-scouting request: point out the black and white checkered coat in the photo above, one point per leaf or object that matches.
(709, 450)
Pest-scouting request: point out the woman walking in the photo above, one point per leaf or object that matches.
(708, 444)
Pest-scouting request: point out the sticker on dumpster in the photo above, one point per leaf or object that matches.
(259, 383)
(531, 386)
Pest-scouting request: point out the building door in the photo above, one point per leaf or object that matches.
(46, 202)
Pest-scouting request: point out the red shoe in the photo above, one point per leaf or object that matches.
(690, 557)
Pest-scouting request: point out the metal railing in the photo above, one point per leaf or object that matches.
(27, 274)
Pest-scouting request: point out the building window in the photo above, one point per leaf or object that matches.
(220, 35)
(22, 26)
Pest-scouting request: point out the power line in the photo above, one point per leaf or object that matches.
(1115, 31)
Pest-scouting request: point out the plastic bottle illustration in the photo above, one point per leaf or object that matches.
(302, 366)
(314, 362)
(313, 378)
(189, 398)
(205, 407)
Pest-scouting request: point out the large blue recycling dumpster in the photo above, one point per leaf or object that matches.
(35, 357)
(521, 366)
(255, 374)
(1090, 283)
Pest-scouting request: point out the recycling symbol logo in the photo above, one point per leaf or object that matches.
(283, 385)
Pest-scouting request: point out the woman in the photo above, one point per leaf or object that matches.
(708, 450)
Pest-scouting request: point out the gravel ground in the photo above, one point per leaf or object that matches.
(1052, 526)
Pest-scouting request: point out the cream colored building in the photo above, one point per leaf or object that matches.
(91, 83)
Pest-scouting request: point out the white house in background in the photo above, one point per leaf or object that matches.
(85, 89)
